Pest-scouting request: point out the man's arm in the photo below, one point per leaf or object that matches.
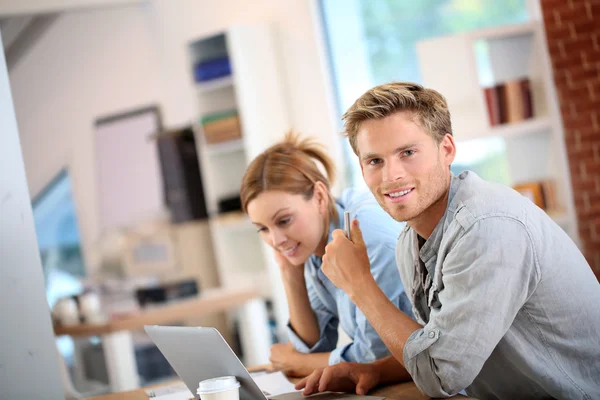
(367, 344)
(346, 263)
(487, 277)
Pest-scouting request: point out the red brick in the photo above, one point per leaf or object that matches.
(588, 140)
(593, 9)
(550, 4)
(584, 106)
(581, 153)
(579, 73)
(588, 185)
(580, 44)
(592, 167)
(580, 121)
(575, 93)
(556, 32)
(589, 57)
(567, 13)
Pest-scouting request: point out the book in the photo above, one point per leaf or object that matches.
(493, 108)
(222, 130)
(514, 101)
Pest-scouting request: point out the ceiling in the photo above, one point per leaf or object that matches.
(20, 33)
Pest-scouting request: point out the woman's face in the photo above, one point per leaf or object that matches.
(290, 224)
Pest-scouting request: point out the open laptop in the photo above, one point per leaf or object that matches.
(198, 353)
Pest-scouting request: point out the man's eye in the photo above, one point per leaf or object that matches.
(375, 161)
(408, 153)
(261, 229)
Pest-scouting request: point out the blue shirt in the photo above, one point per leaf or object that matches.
(510, 307)
(332, 306)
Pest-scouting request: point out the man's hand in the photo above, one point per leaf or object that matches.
(342, 377)
(346, 262)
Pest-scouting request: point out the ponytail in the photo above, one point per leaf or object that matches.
(289, 166)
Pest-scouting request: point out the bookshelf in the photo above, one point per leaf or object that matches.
(249, 92)
(496, 58)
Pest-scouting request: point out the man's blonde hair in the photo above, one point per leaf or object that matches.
(428, 108)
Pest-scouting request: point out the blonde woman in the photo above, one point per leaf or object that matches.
(288, 199)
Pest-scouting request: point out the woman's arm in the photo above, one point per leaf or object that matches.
(302, 317)
(285, 358)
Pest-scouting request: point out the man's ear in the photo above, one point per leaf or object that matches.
(448, 149)
(321, 196)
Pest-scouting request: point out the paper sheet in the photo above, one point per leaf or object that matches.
(274, 384)
(176, 391)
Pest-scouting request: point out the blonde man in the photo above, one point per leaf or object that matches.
(507, 306)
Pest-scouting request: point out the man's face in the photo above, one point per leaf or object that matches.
(405, 168)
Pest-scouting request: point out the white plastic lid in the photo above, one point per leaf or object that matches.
(216, 385)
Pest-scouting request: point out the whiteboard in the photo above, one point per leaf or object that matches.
(130, 188)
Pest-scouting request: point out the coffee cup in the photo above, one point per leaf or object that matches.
(65, 311)
(221, 388)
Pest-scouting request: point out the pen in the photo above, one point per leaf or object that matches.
(347, 224)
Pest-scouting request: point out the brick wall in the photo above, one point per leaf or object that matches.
(573, 33)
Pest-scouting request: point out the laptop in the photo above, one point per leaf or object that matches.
(199, 353)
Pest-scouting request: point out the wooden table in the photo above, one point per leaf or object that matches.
(116, 334)
(399, 391)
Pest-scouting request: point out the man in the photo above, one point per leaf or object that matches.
(507, 305)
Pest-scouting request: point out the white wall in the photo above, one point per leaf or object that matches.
(92, 63)
(182, 21)
(10, 7)
(89, 64)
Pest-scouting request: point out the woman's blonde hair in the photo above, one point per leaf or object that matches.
(428, 108)
(289, 166)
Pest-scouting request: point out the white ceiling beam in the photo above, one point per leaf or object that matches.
(20, 7)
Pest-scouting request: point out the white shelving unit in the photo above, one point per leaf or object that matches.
(460, 66)
(255, 90)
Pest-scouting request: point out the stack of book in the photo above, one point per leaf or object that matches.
(221, 127)
(542, 193)
(509, 102)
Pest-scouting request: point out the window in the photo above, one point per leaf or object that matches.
(60, 248)
(371, 42)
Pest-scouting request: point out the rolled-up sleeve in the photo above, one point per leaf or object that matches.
(328, 324)
(486, 278)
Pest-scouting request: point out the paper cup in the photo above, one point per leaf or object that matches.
(222, 388)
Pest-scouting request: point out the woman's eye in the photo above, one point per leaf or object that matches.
(284, 221)
(261, 229)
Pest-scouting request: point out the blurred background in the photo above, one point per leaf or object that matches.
(137, 119)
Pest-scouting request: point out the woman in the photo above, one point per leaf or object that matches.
(288, 199)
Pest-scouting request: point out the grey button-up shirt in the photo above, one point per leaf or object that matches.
(510, 307)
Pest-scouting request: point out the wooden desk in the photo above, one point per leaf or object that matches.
(400, 391)
(116, 337)
(210, 301)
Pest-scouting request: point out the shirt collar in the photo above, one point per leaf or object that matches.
(317, 261)
(429, 249)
